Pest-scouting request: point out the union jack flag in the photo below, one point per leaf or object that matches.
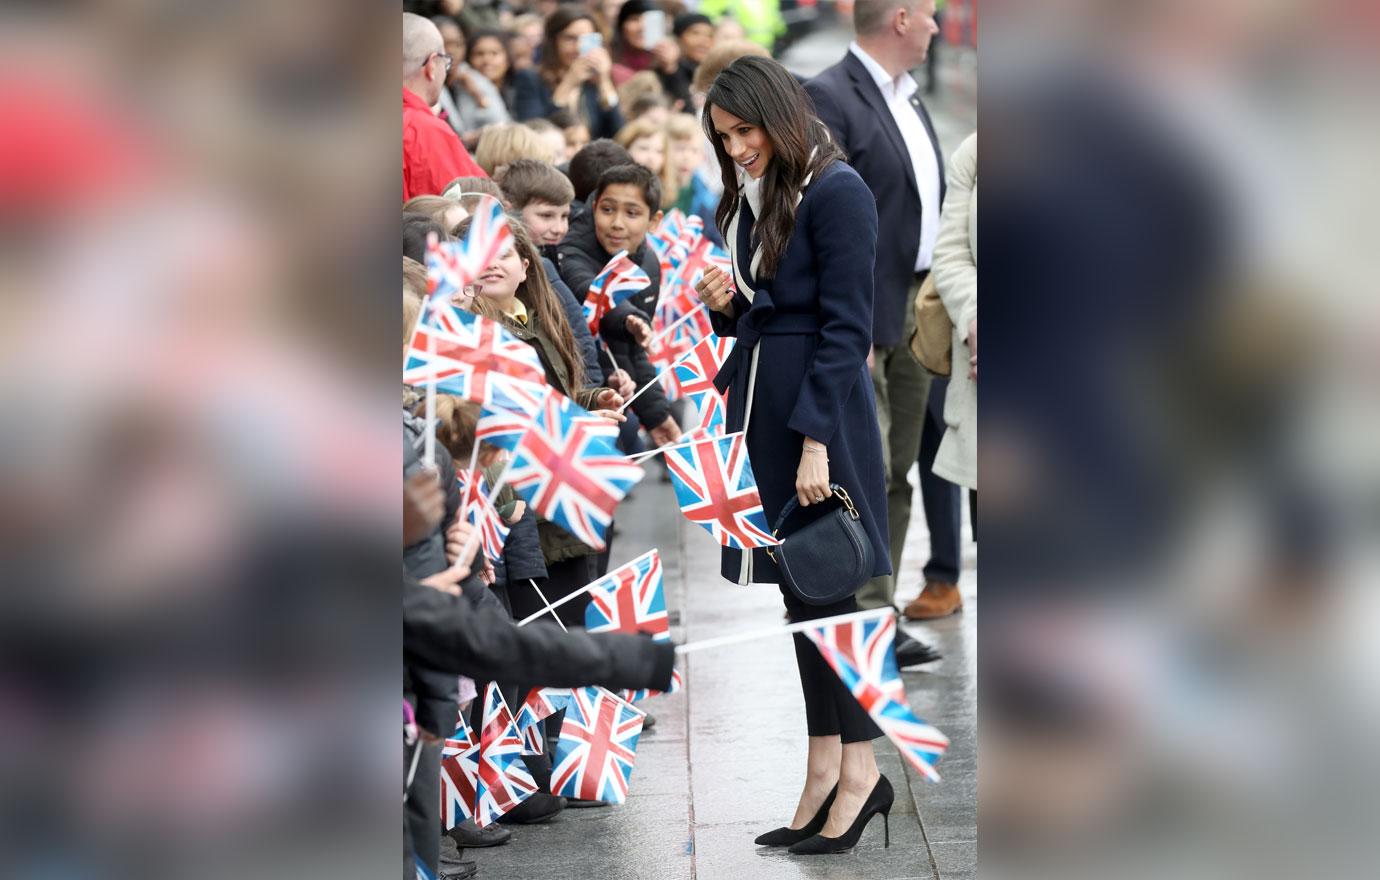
(614, 284)
(475, 359)
(569, 471)
(541, 703)
(631, 599)
(715, 487)
(863, 654)
(501, 427)
(695, 373)
(480, 512)
(503, 778)
(598, 746)
(452, 266)
(459, 774)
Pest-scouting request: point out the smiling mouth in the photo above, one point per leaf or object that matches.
(751, 160)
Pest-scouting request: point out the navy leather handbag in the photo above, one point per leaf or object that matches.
(828, 559)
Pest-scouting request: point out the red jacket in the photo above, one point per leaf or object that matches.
(432, 155)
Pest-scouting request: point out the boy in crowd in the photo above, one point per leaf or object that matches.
(625, 205)
(541, 196)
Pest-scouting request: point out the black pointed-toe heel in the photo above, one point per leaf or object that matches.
(878, 801)
(787, 836)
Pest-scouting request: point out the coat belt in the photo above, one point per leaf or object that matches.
(779, 324)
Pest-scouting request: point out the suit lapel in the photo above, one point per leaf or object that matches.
(924, 115)
(866, 86)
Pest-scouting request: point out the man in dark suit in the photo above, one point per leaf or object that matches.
(871, 103)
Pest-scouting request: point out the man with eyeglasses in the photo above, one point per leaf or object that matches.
(433, 155)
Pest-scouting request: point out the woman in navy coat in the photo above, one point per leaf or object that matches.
(802, 229)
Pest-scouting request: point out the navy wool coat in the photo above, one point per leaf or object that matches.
(813, 323)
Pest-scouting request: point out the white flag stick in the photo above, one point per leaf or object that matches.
(493, 493)
(655, 379)
(549, 606)
(681, 320)
(579, 592)
(753, 635)
(677, 445)
(429, 451)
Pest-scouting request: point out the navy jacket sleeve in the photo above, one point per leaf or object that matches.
(531, 97)
(522, 558)
(451, 634)
(842, 230)
(589, 351)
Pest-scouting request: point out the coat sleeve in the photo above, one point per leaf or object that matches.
(955, 267)
(522, 557)
(531, 99)
(589, 351)
(577, 270)
(448, 633)
(843, 237)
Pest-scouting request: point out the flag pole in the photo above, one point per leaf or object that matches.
(579, 592)
(549, 606)
(753, 635)
(681, 320)
(493, 493)
(429, 451)
(641, 456)
(655, 379)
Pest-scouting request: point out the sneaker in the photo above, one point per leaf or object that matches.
(938, 599)
(464, 871)
(913, 652)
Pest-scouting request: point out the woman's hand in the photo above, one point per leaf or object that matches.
(715, 291)
(611, 415)
(608, 399)
(666, 433)
(812, 477)
(424, 503)
(600, 62)
(641, 333)
(620, 381)
(667, 55)
(457, 537)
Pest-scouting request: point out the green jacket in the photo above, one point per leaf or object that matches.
(760, 18)
(556, 543)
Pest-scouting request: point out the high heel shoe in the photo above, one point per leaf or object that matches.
(878, 801)
(786, 836)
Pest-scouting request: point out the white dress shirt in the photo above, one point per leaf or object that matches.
(899, 94)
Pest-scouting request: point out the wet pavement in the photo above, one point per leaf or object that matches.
(726, 759)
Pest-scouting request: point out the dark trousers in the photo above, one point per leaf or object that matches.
(830, 709)
(939, 496)
(422, 812)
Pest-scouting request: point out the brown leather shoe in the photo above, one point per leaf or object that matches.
(938, 599)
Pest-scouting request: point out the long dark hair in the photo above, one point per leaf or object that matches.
(565, 15)
(761, 92)
(505, 40)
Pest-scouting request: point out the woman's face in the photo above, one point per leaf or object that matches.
(487, 57)
(633, 31)
(454, 40)
(649, 151)
(575, 138)
(746, 144)
(568, 41)
(500, 279)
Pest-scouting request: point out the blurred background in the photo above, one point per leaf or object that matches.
(198, 508)
(198, 471)
(1178, 439)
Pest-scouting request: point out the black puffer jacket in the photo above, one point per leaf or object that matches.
(581, 259)
(454, 634)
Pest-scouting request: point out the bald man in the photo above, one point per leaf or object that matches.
(433, 155)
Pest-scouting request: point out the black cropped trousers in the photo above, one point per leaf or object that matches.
(830, 709)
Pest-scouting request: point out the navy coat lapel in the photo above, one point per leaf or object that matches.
(742, 252)
(866, 86)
